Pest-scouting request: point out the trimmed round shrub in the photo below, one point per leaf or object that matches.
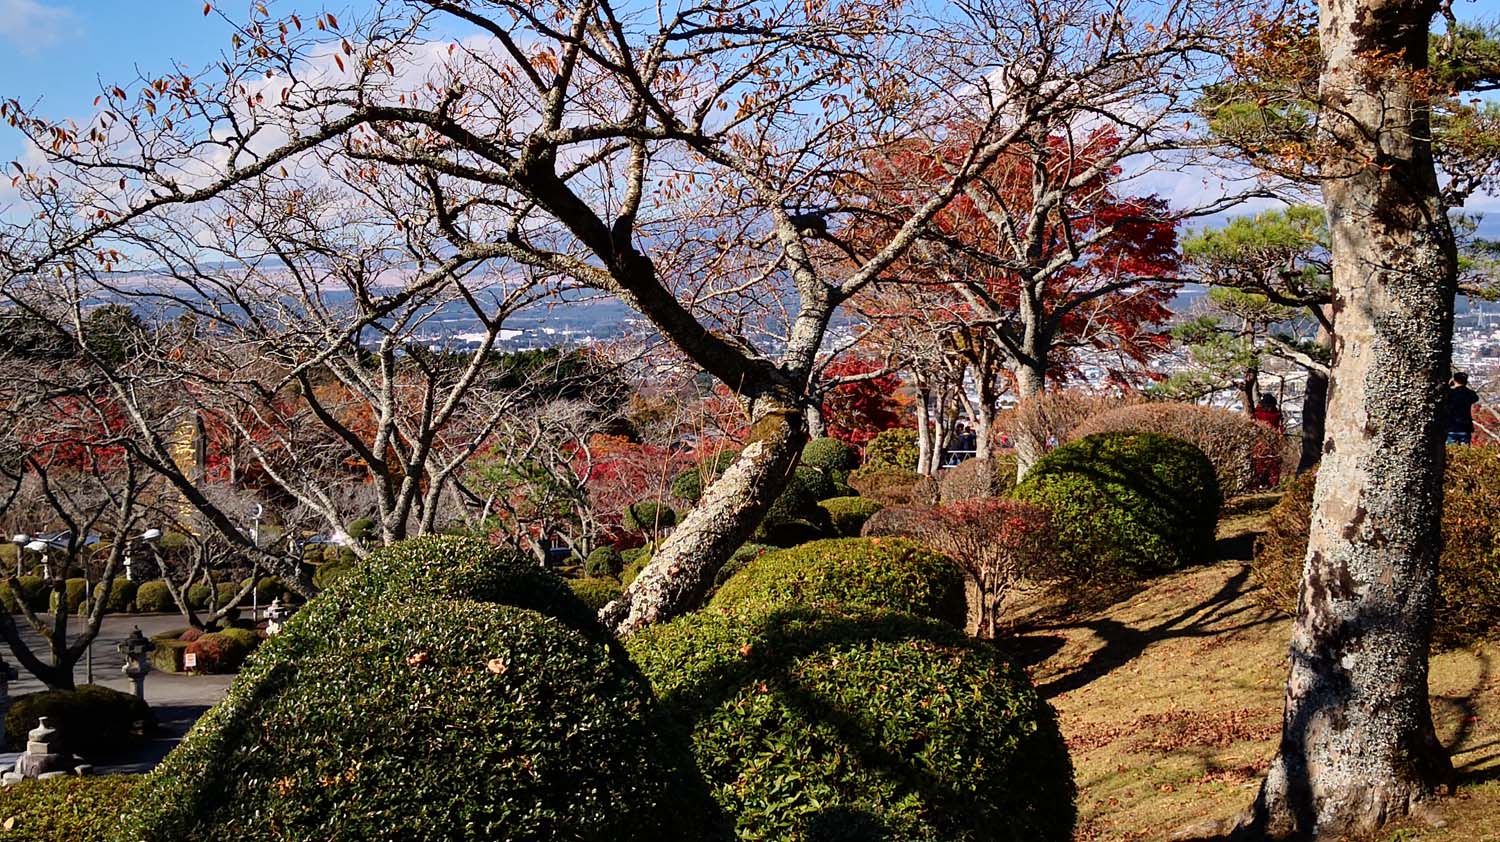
(973, 479)
(71, 808)
(120, 597)
(331, 571)
(222, 652)
(855, 574)
(688, 486)
(93, 720)
(168, 648)
(499, 722)
(794, 516)
(153, 598)
(849, 514)
(830, 454)
(33, 590)
(596, 592)
(1126, 505)
(893, 449)
(603, 562)
(816, 482)
(227, 591)
(1229, 439)
(197, 597)
(810, 725)
(75, 589)
(648, 517)
(888, 485)
(1468, 606)
(896, 522)
(361, 529)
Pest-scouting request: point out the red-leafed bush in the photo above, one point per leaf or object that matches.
(190, 635)
(999, 543)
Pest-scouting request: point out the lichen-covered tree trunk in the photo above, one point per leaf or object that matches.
(1358, 746)
(682, 570)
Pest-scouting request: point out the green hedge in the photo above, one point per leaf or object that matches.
(153, 598)
(75, 589)
(121, 594)
(830, 454)
(596, 592)
(849, 514)
(197, 597)
(66, 809)
(603, 562)
(267, 588)
(1126, 505)
(92, 719)
(815, 726)
(444, 709)
(860, 574)
(32, 588)
(795, 516)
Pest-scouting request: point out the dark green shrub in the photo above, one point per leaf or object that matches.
(93, 720)
(737, 562)
(153, 598)
(36, 591)
(75, 589)
(596, 592)
(688, 485)
(648, 517)
(1468, 572)
(973, 479)
(893, 449)
(1126, 505)
(794, 516)
(362, 529)
(544, 733)
(819, 484)
(120, 597)
(830, 454)
(329, 572)
(226, 592)
(817, 726)
(859, 574)
(67, 808)
(197, 597)
(849, 514)
(603, 562)
(166, 656)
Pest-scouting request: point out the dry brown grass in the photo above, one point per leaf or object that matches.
(1171, 702)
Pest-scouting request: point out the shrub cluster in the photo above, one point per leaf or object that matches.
(68, 808)
(830, 455)
(91, 719)
(154, 598)
(820, 725)
(603, 562)
(1229, 439)
(848, 514)
(893, 449)
(861, 574)
(972, 479)
(33, 591)
(469, 675)
(120, 597)
(1126, 505)
(222, 652)
(1468, 572)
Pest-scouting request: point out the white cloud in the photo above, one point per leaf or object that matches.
(30, 26)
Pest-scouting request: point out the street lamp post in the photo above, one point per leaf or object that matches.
(255, 565)
(150, 535)
(20, 541)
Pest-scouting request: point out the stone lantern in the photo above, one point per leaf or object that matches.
(276, 616)
(136, 648)
(44, 757)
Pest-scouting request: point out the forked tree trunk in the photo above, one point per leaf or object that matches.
(1358, 746)
(682, 570)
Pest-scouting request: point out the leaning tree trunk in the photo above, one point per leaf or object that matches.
(1358, 746)
(683, 568)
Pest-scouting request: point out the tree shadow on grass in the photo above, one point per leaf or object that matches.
(1224, 612)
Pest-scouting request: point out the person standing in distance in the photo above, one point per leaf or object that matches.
(1459, 407)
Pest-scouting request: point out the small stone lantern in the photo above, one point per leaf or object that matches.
(136, 648)
(276, 616)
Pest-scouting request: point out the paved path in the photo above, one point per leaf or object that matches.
(177, 700)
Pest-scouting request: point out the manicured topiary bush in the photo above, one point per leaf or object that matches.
(120, 597)
(75, 589)
(596, 592)
(222, 652)
(331, 571)
(1126, 505)
(603, 562)
(153, 598)
(860, 574)
(812, 725)
(197, 597)
(973, 479)
(68, 808)
(33, 591)
(1468, 573)
(849, 514)
(893, 449)
(794, 516)
(544, 732)
(648, 517)
(830, 454)
(227, 591)
(1230, 440)
(889, 485)
(92, 719)
(167, 650)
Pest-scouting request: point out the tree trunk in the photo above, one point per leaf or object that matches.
(924, 428)
(1314, 409)
(1358, 747)
(816, 429)
(682, 570)
(984, 414)
(1031, 384)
